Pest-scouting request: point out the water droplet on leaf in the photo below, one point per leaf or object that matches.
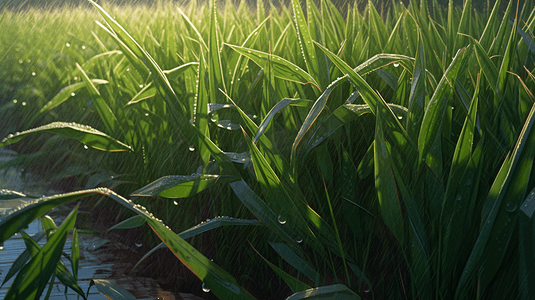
(510, 207)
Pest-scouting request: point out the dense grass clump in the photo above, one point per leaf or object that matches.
(376, 155)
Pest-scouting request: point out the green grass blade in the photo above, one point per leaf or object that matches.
(295, 284)
(188, 22)
(419, 247)
(106, 114)
(64, 95)
(75, 254)
(82, 133)
(218, 280)
(133, 222)
(174, 73)
(21, 260)
(369, 96)
(261, 210)
(378, 32)
(434, 114)
(335, 291)
(201, 228)
(177, 186)
(527, 247)
(504, 67)
(341, 116)
(24, 215)
(418, 93)
(214, 61)
(202, 99)
(464, 26)
(459, 191)
(381, 60)
(489, 69)
(159, 78)
(138, 65)
(385, 183)
(216, 223)
(148, 91)
(339, 241)
(61, 271)
(292, 211)
(111, 290)
(268, 149)
(249, 41)
(307, 48)
(296, 261)
(488, 33)
(498, 217)
(278, 107)
(313, 114)
(499, 38)
(33, 278)
(281, 67)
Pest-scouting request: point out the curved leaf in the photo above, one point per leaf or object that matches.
(281, 67)
(65, 94)
(132, 222)
(278, 107)
(33, 278)
(82, 133)
(335, 291)
(24, 215)
(111, 290)
(177, 186)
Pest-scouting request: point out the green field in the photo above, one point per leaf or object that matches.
(331, 151)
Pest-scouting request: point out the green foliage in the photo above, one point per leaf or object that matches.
(284, 118)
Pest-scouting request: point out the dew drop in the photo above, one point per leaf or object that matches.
(400, 117)
(299, 240)
(396, 65)
(33, 73)
(191, 148)
(205, 288)
(73, 94)
(510, 207)
(188, 258)
(147, 114)
(175, 203)
(139, 245)
(140, 85)
(15, 101)
(83, 47)
(85, 147)
(68, 45)
(23, 103)
(459, 197)
(281, 220)
(469, 181)
(20, 61)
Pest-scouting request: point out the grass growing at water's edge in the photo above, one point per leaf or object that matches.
(390, 154)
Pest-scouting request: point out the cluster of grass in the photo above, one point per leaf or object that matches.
(382, 156)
